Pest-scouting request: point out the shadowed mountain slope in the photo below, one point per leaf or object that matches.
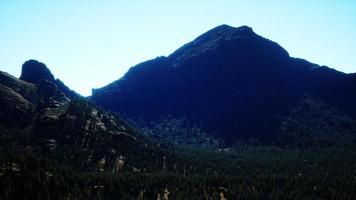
(41, 114)
(233, 81)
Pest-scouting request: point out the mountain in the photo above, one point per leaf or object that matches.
(35, 90)
(40, 114)
(227, 84)
(234, 82)
(35, 72)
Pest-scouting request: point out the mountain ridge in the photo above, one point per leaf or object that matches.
(41, 112)
(229, 78)
(188, 118)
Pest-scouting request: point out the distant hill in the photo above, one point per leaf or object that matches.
(234, 82)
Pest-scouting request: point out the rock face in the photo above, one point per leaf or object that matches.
(210, 41)
(14, 107)
(16, 100)
(36, 91)
(37, 73)
(56, 120)
(34, 72)
(235, 82)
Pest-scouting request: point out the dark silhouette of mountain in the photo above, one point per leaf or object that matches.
(35, 90)
(235, 82)
(55, 144)
(36, 72)
(40, 112)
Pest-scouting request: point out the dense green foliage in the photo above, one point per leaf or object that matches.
(250, 173)
(315, 166)
(181, 132)
(312, 124)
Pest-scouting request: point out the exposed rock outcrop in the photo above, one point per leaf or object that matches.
(34, 72)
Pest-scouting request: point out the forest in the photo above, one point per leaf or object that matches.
(312, 157)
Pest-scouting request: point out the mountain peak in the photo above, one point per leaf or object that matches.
(211, 40)
(34, 71)
(225, 29)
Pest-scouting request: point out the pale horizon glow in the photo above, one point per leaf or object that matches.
(88, 44)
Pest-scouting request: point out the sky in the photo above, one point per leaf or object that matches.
(88, 44)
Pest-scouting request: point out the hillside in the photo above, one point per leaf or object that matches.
(229, 115)
(235, 83)
(41, 114)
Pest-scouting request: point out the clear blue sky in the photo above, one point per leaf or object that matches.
(88, 44)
